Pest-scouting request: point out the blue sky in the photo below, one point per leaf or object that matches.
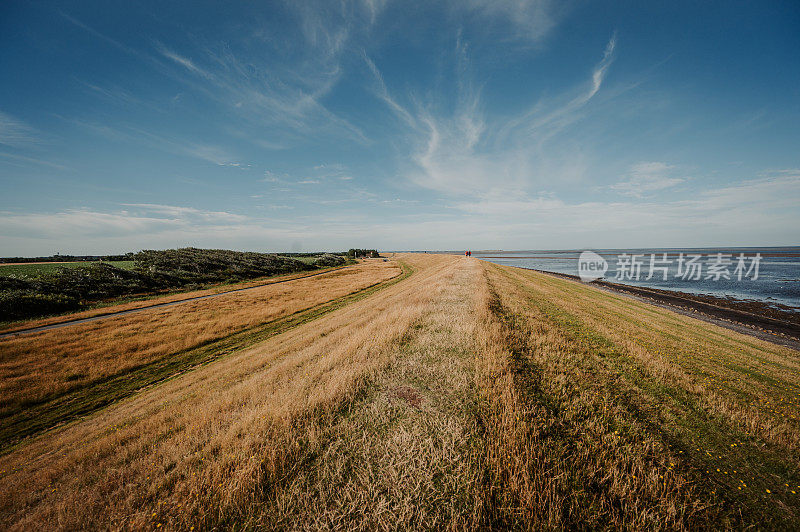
(398, 125)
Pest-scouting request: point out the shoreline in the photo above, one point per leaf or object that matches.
(755, 318)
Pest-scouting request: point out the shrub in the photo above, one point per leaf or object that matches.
(18, 304)
(74, 288)
(328, 260)
(356, 252)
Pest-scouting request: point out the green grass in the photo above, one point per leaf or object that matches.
(35, 270)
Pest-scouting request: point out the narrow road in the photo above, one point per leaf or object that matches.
(60, 324)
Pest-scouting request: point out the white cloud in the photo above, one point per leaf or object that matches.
(647, 177)
(600, 71)
(464, 153)
(17, 159)
(212, 154)
(149, 226)
(533, 19)
(16, 133)
(546, 118)
(79, 223)
(205, 152)
(119, 96)
(383, 93)
(101, 36)
(183, 61)
(271, 177)
(286, 95)
(178, 212)
(713, 216)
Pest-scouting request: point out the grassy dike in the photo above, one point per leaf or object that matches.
(82, 400)
(629, 415)
(467, 395)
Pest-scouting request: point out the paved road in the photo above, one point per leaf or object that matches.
(105, 315)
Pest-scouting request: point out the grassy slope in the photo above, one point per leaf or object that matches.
(34, 413)
(145, 300)
(34, 367)
(631, 415)
(468, 394)
(205, 448)
(407, 451)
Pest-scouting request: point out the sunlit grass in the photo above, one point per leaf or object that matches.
(467, 395)
(39, 366)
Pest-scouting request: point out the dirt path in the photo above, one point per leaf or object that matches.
(96, 317)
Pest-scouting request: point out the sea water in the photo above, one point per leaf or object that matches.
(778, 279)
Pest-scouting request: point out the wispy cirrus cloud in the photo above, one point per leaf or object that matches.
(321, 173)
(182, 61)
(205, 152)
(120, 96)
(532, 19)
(103, 37)
(20, 138)
(268, 94)
(16, 133)
(198, 150)
(283, 94)
(286, 87)
(647, 177)
(187, 213)
(548, 117)
(23, 160)
(383, 93)
(464, 152)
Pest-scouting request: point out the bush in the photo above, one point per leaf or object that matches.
(74, 288)
(193, 265)
(328, 260)
(356, 252)
(18, 304)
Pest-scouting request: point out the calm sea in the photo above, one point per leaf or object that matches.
(778, 270)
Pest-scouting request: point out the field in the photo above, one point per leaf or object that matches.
(36, 290)
(38, 268)
(127, 348)
(429, 391)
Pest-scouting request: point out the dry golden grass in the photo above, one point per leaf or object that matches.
(149, 300)
(207, 448)
(609, 417)
(556, 453)
(468, 395)
(409, 452)
(40, 365)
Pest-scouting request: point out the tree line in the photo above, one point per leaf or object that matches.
(361, 253)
